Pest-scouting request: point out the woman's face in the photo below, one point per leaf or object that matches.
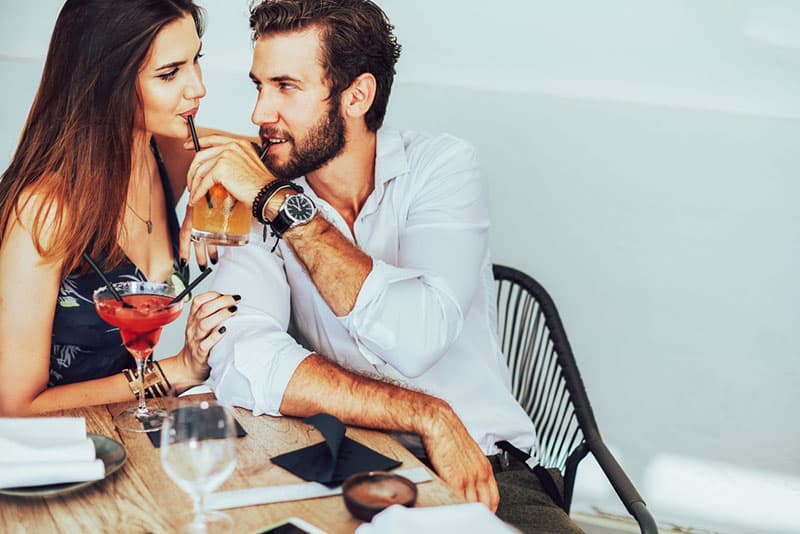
(170, 82)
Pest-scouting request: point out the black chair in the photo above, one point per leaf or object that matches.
(546, 382)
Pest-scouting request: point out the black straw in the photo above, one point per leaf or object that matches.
(191, 286)
(193, 132)
(262, 151)
(102, 276)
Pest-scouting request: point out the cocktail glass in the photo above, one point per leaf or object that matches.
(145, 308)
(219, 219)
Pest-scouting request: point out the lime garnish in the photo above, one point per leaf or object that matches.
(177, 280)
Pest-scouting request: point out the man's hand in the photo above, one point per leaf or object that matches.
(230, 162)
(458, 460)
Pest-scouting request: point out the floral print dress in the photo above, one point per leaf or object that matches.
(83, 346)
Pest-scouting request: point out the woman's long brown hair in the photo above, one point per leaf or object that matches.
(74, 153)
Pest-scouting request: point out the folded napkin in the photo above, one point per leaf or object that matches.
(46, 450)
(333, 460)
(472, 517)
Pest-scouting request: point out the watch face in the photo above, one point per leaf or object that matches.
(300, 208)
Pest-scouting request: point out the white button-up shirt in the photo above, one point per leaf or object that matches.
(424, 317)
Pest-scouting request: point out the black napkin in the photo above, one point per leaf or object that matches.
(155, 435)
(333, 460)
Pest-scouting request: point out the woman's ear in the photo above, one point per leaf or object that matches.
(358, 98)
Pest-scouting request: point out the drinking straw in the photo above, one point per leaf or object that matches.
(193, 131)
(266, 149)
(262, 151)
(191, 286)
(102, 276)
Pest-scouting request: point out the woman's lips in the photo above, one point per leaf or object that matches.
(192, 112)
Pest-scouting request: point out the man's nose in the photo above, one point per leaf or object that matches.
(266, 111)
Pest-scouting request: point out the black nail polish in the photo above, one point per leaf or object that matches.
(184, 261)
(237, 298)
(213, 260)
(222, 329)
(202, 267)
(233, 309)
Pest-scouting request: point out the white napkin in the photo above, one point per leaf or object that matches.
(46, 450)
(472, 517)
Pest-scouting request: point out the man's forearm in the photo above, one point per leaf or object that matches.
(337, 267)
(322, 386)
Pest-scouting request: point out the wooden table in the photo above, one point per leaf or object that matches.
(140, 497)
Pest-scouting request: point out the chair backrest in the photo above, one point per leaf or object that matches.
(544, 376)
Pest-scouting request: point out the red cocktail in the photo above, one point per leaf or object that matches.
(140, 326)
(145, 308)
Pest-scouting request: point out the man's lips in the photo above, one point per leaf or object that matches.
(270, 142)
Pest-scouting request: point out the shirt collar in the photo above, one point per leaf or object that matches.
(390, 156)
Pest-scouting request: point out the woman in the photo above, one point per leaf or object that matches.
(88, 176)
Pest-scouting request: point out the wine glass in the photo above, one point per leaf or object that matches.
(198, 452)
(144, 309)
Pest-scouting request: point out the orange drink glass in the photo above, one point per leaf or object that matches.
(220, 219)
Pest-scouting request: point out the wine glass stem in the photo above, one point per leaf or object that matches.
(199, 504)
(140, 379)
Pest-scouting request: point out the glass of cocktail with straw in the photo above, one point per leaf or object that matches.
(140, 315)
(219, 219)
(140, 309)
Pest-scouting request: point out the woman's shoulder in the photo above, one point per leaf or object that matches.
(38, 212)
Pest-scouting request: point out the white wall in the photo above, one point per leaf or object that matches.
(642, 164)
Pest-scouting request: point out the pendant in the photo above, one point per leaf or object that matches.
(149, 226)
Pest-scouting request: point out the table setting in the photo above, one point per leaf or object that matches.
(116, 466)
(136, 493)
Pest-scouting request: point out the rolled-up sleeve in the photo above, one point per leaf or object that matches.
(408, 315)
(253, 363)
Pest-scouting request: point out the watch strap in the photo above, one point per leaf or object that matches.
(280, 224)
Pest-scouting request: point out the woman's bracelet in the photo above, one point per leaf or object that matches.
(154, 379)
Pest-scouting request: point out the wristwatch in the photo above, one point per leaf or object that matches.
(297, 209)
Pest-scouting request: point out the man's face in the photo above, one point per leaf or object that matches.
(293, 110)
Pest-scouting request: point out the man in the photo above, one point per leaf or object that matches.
(383, 255)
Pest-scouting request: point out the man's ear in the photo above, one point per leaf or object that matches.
(358, 98)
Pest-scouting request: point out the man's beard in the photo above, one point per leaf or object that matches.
(324, 141)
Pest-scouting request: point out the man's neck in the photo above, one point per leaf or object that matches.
(346, 181)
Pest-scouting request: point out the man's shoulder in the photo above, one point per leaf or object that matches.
(426, 149)
(423, 142)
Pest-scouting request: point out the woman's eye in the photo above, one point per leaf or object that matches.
(169, 75)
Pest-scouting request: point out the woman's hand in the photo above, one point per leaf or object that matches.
(204, 329)
(203, 252)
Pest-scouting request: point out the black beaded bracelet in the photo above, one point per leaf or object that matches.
(265, 195)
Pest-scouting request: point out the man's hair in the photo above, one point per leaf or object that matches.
(356, 38)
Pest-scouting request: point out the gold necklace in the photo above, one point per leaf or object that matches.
(149, 220)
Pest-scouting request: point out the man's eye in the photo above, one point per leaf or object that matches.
(286, 85)
(169, 75)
